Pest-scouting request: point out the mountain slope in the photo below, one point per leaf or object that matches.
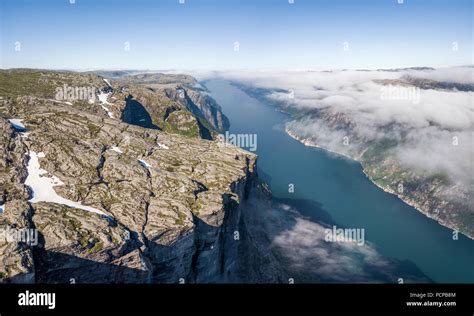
(165, 202)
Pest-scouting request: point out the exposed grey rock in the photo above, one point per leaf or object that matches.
(173, 200)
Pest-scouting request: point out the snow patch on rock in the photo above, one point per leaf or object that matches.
(42, 187)
(103, 100)
(144, 163)
(116, 149)
(162, 146)
(107, 82)
(103, 97)
(17, 124)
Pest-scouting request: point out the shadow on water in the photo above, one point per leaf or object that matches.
(308, 209)
(266, 177)
(308, 257)
(135, 113)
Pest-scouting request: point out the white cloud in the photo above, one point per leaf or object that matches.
(429, 123)
(304, 248)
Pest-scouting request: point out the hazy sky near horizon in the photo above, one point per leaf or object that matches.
(235, 34)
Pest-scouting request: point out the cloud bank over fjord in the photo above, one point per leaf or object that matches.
(434, 126)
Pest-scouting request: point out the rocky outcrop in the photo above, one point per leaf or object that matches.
(169, 204)
(16, 259)
(187, 93)
(201, 106)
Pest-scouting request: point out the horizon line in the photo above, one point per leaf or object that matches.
(238, 69)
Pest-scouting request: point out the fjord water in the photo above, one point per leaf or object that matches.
(396, 229)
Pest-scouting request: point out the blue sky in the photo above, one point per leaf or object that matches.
(201, 34)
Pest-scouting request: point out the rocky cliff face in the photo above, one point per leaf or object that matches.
(186, 92)
(16, 258)
(124, 185)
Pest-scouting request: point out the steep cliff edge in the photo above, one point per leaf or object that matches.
(186, 92)
(115, 201)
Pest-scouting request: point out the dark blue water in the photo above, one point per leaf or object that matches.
(339, 186)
